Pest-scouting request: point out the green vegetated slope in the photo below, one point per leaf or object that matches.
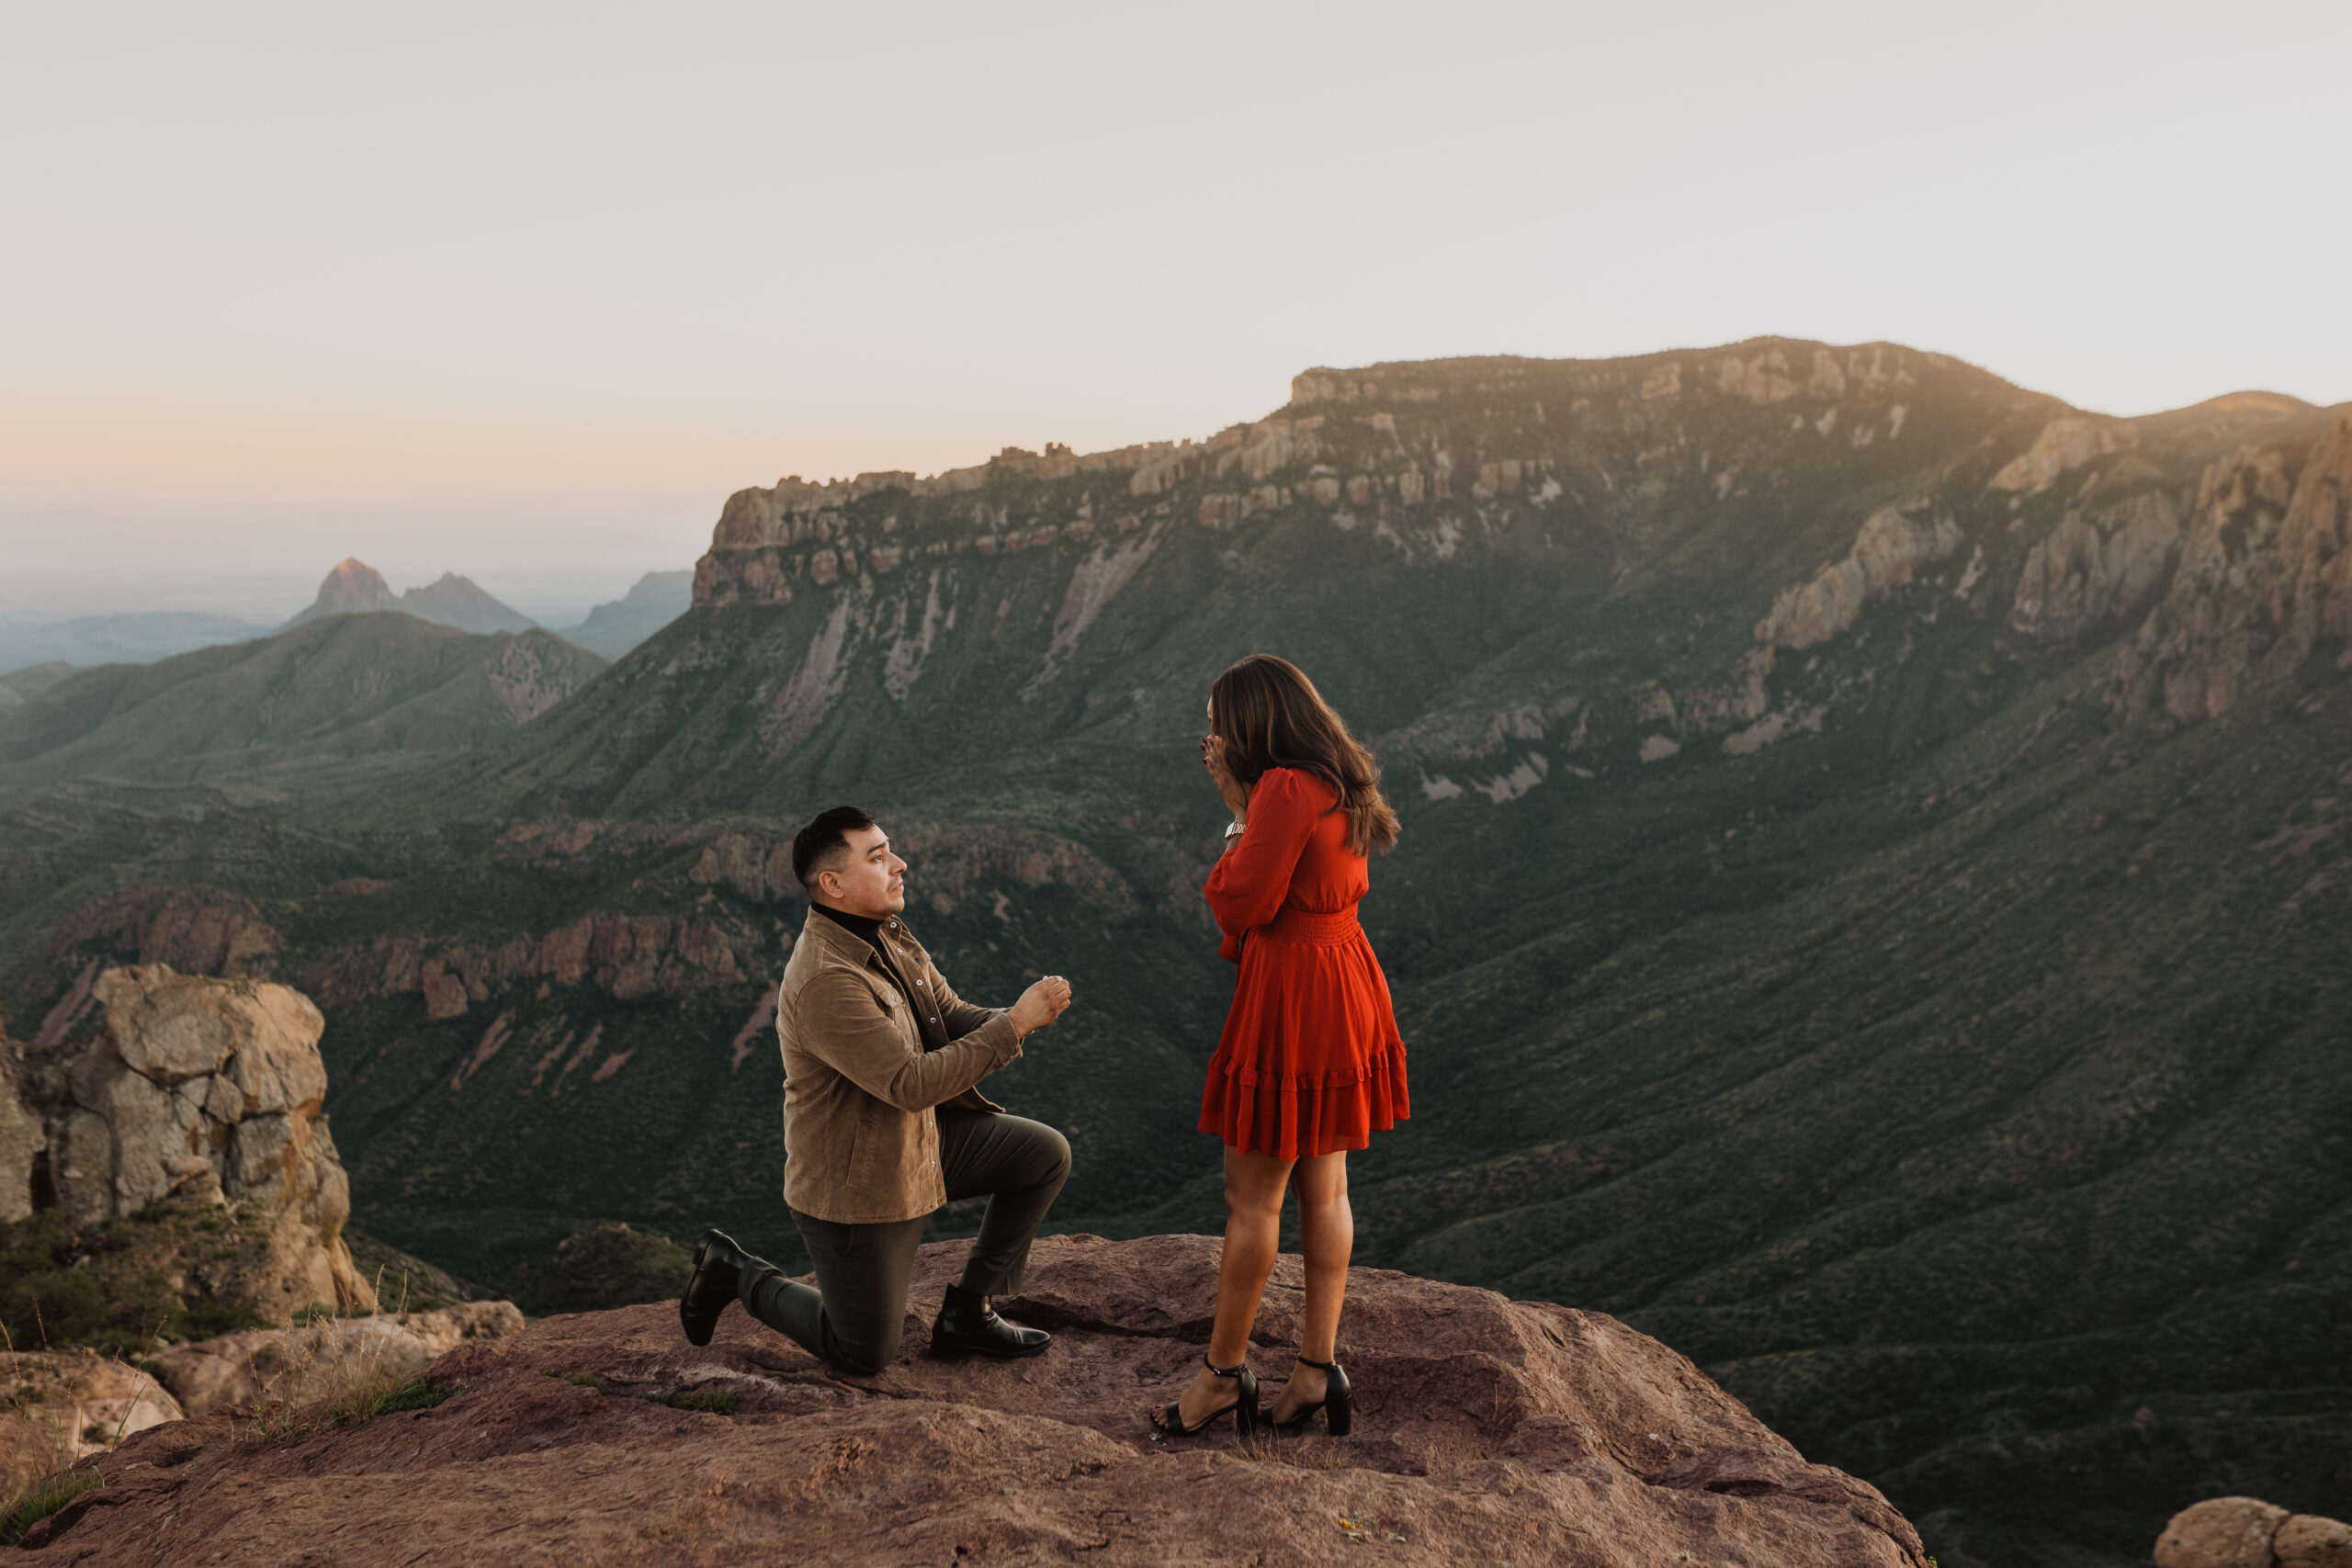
(329, 691)
(19, 685)
(1870, 908)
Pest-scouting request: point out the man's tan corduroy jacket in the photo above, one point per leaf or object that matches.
(861, 1144)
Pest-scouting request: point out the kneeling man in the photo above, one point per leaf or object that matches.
(882, 1125)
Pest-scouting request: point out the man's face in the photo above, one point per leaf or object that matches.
(868, 880)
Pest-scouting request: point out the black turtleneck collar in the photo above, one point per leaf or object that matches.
(864, 927)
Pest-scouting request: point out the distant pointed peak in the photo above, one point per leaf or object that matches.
(354, 585)
(460, 602)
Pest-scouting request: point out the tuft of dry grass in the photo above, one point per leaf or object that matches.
(322, 1388)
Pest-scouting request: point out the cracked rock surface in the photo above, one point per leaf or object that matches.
(1489, 1431)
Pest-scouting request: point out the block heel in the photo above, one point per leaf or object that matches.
(1337, 1404)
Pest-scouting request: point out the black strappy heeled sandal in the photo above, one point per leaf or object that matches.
(1337, 1404)
(1245, 1409)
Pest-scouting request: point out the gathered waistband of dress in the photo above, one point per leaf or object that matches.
(1312, 928)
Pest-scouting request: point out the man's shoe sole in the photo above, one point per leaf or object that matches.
(956, 1349)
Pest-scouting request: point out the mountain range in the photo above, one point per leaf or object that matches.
(133, 637)
(609, 630)
(356, 588)
(1872, 906)
(653, 602)
(349, 696)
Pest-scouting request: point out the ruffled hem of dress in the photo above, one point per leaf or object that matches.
(1291, 1115)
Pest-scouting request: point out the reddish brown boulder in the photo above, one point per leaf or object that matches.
(2220, 1532)
(1489, 1432)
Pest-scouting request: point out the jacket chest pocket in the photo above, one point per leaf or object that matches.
(894, 1007)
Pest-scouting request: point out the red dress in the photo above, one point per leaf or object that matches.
(1310, 1060)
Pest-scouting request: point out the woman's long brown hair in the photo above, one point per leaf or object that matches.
(1270, 716)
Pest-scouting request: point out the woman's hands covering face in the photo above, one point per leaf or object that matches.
(1235, 794)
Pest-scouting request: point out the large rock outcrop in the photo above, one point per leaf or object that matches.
(2265, 577)
(1489, 1431)
(1889, 550)
(197, 1088)
(2095, 564)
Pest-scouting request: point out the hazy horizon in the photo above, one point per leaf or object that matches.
(524, 292)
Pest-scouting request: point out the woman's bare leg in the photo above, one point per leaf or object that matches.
(1253, 1226)
(1327, 1228)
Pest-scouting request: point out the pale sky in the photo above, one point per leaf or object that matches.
(267, 268)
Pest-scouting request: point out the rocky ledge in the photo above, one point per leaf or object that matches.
(1489, 1432)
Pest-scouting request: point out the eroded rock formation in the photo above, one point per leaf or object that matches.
(2096, 564)
(197, 1088)
(1488, 1431)
(2264, 574)
(1888, 551)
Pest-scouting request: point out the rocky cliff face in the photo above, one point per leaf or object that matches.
(207, 1090)
(1919, 482)
(1488, 1431)
(2265, 577)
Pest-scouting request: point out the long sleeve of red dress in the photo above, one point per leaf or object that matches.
(1247, 888)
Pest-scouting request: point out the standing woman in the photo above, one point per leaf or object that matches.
(1310, 1064)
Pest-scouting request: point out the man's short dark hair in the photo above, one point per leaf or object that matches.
(825, 836)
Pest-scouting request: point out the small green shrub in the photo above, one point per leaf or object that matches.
(385, 1398)
(610, 1265)
(420, 1393)
(42, 1497)
(712, 1400)
(584, 1379)
(203, 1320)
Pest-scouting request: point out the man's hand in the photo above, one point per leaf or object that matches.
(1040, 1004)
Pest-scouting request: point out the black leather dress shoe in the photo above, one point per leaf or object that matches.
(968, 1325)
(717, 1273)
